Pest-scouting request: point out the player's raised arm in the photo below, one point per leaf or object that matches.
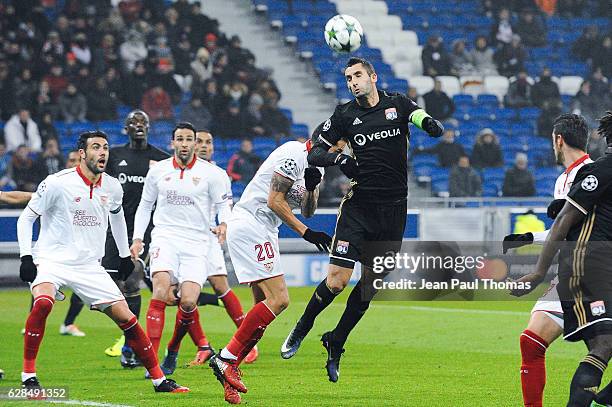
(327, 148)
(420, 118)
(15, 197)
(143, 214)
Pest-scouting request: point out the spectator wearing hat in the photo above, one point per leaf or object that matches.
(463, 180)
(447, 150)
(518, 180)
(486, 152)
(437, 103)
(201, 67)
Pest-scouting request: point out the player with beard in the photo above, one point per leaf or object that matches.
(130, 164)
(569, 135)
(76, 206)
(372, 215)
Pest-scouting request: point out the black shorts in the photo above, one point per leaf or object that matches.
(111, 259)
(364, 230)
(585, 291)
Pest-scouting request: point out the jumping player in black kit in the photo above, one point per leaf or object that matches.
(375, 125)
(130, 163)
(585, 271)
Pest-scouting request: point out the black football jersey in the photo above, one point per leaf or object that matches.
(591, 194)
(130, 167)
(379, 137)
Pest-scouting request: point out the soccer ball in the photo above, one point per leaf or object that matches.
(343, 33)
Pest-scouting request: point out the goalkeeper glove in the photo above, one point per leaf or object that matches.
(347, 165)
(517, 240)
(27, 270)
(433, 127)
(320, 239)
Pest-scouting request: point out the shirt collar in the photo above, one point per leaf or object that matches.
(576, 163)
(86, 180)
(189, 166)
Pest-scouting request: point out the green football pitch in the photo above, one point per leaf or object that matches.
(401, 354)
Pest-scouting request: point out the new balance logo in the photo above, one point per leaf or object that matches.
(357, 121)
(122, 163)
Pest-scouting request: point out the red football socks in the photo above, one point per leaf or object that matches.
(155, 322)
(136, 339)
(34, 331)
(233, 307)
(251, 330)
(533, 368)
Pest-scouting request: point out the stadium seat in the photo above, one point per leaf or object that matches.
(570, 85)
(450, 85)
(423, 84)
(496, 85)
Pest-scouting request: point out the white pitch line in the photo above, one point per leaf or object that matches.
(88, 403)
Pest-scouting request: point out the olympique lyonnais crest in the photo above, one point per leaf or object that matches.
(269, 266)
(342, 247)
(598, 308)
(391, 113)
(196, 180)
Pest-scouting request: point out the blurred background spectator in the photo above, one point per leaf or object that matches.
(22, 170)
(518, 180)
(437, 103)
(22, 130)
(464, 181)
(243, 165)
(487, 151)
(447, 150)
(436, 60)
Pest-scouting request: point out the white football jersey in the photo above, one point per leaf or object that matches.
(288, 160)
(74, 216)
(566, 179)
(185, 199)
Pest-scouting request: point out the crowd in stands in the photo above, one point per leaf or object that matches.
(78, 62)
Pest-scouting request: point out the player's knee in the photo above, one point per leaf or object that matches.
(42, 306)
(336, 284)
(187, 305)
(160, 293)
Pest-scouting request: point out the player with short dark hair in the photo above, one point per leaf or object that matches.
(186, 192)
(130, 163)
(569, 136)
(375, 125)
(76, 206)
(585, 221)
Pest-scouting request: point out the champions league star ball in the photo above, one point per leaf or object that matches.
(343, 33)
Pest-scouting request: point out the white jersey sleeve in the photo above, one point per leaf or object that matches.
(44, 198)
(289, 167)
(145, 207)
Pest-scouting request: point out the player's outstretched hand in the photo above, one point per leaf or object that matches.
(126, 267)
(220, 231)
(515, 240)
(320, 239)
(433, 127)
(554, 208)
(312, 178)
(136, 248)
(27, 270)
(347, 165)
(531, 281)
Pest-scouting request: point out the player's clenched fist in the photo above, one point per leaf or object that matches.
(27, 270)
(433, 127)
(347, 165)
(320, 239)
(136, 248)
(312, 178)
